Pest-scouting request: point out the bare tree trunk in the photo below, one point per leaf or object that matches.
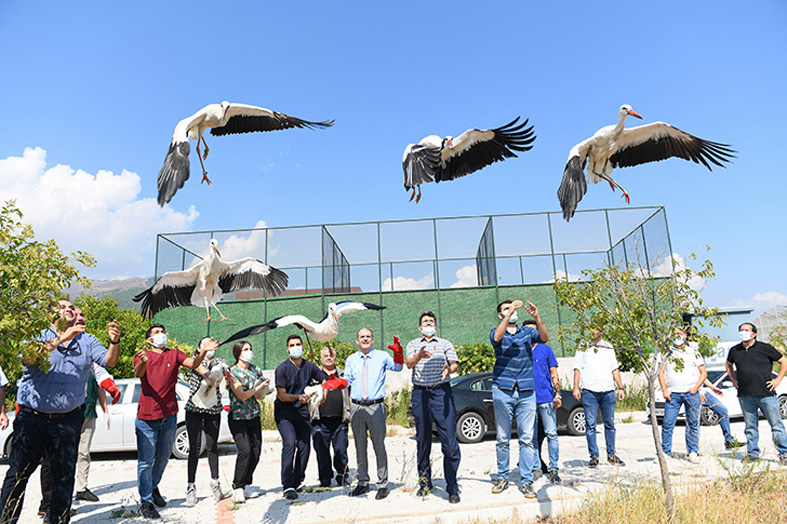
(654, 426)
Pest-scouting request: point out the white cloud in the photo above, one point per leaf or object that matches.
(466, 276)
(253, 245)
(560, 274)
(664, 269)
(765, 300)
(100, 214)
(402, 283)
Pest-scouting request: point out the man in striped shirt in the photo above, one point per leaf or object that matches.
(432, 360)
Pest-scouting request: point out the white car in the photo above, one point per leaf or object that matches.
(121, 435)
(720, 379)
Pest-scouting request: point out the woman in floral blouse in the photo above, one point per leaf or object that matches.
(247, 385)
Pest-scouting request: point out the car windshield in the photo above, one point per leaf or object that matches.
(714, 376)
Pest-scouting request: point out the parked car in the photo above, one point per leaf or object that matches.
(121, 435)
(475, 411)
(729, 397)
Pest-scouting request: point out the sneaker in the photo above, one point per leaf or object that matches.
(147, 510)
(527, 489)
(215, 487)
(238, 496)
(554, 478)
(748, 459)
(191, 495)
(783, 460)
(733, 444)
(694, 458)
(303, 488)
(158, 500)
(86, 495)
(593, 462)
(615, 461)
(250, 493)
(499, 486)
(290, 494)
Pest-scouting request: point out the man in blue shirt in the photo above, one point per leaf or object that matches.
(548, 400)
(365, 373)
(50, 412)
(513, 390)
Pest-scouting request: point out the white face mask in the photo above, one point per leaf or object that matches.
(246, 356)
(209, 354)
(428, 331)
(678, 341)
(295, 351)
(514, 318)
(745, 336)
(159, 340)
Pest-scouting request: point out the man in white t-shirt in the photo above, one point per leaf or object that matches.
(596, 372)
(681, 380)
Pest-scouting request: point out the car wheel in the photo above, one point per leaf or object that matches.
(708, 417)
(8, 444)
(470, 428)
(576, 421)
(180, 448)
(783, 406)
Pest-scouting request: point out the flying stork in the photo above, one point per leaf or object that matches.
(614, 146)
(205, 283)
(223, 119)
(435, 159)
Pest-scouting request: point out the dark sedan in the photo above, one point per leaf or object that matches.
(476, 414)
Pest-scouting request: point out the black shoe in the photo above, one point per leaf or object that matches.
(147, 510)
(325, 484)
(527, 489)
(424, 491)
(86, 495)
(158, 500)
(290, 494)
(554, 478)
(733, 444)
(593, 462)
(615, 461)
(381, 493)
(344, 482)
(360, 489)
(453, 498)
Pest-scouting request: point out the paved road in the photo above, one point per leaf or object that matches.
(113, 479)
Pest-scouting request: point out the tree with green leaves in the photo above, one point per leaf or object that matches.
(32, 275)
(637, 311)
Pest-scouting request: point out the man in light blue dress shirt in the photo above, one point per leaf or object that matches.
(365, 373)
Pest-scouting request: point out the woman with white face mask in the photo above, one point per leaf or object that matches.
(202, 418)
(246, 385)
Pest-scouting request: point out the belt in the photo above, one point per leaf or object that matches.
(369, 402)
(50, 415)
(432, 388)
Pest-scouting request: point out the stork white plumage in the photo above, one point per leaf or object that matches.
(223, 119)
(205, 283)
(326, 329)
(613, 146)
(435, 159)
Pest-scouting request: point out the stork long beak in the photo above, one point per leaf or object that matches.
(335, 315)
(217, 251)
(634, 113)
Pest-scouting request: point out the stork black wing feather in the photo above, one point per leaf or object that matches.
(174, 172)
(662, 147)
(573, 186)
(272, 284)
(250, 331)
(252, 123)
(422, 165)
(168, 296)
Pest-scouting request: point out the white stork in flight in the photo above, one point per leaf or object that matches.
(434, 159)
(223, 119)
(205, 283)
(326, 329)
(614, 146)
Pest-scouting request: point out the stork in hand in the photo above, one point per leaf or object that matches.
(614, 146)
(223, 119)
(205, 283)
(434, 159)
(326, 329)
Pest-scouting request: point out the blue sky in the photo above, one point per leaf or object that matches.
(92, 91)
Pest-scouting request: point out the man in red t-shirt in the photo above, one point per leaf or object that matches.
(157, 368)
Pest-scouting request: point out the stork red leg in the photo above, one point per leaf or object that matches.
(613, 184)
(213, 303)
(413, 195)
(199, 156)
(418, 198)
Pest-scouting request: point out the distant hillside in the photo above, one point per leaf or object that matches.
(122, 289)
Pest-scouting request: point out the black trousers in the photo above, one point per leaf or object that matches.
(196, 424)
(295, 447)
(248, 438)
(327, 431)
(34, 437)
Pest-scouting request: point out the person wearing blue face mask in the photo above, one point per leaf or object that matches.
(749, 366)
(290, 410)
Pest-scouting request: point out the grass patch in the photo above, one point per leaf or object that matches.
(636, 399)
(627, 420)
(396, 408)
(266, 416)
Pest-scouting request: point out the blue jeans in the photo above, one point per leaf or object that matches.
(548, 415)
(715, 405)
(692, 403)
(770, 408)
(522, 404)
(154, 446)
(591, 401)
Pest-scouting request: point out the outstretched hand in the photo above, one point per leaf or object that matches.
(398, 351)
